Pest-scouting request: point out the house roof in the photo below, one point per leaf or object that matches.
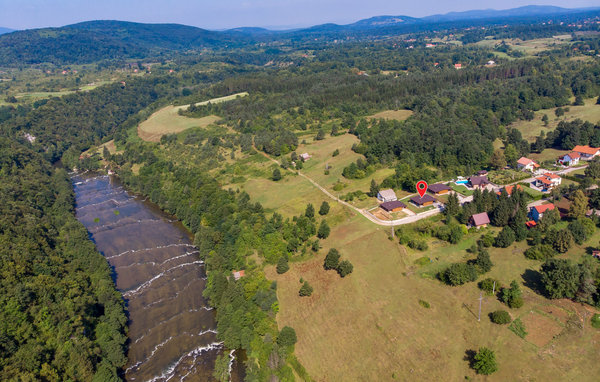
(543, 179)
(238, 274)
(551, 175)
(572, 155)
(586, 150)
(422, 200)
(525, 161)
(531, 223)
(544, 207)
(390, 206)
(481, 219)
(478, 180)
(439, 187)
(509, 189)
(387, 194)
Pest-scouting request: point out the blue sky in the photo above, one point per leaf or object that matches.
(221, 14)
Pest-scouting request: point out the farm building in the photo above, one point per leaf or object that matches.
(479, 181)
(526, 164)
(439, 189)
(393, 206)
(536, 212)
(570, 159)
(480, 220)
(426, 200)
(387, 195)
(305, 156)
(586, 152)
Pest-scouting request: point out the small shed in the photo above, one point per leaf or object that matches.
(393, 206)
(426, 200)
(387, 195)
(305, 156)
(238, 274)
(439, 189)
(480, 220)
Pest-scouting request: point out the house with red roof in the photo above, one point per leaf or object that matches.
(526, 164)
(547, 181)
(480, 220)
(238, 274)
(509, 189)
(586, 152)
(537, 212)
(457, 66)
(570, 159)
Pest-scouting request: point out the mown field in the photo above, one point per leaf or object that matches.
(370, 326)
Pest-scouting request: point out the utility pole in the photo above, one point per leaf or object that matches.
(494, 289)
(392, 232)
(480, 299)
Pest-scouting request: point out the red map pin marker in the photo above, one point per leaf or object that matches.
(422, 187)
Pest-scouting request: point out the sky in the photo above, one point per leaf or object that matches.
(223, 14)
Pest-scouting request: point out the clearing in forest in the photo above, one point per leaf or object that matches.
(168, 121)
(396, 115)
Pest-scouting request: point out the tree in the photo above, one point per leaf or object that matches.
(560, 278)
(545, 119)
(315, 246)
(561, 240)
(581, 229)
(373, 189)
(305, 290)
(500, 317)
(485, 362)
(310, 211)
(299, 165)
(282, 265)
(324, 230)
(324, 209)
(593, 170)
(320, 135)
(344, 268)
(511, 154)
(332, 259)
(559, 112)
(540, 252)
(276, 175)
(578, 101)
(550, 217)
(452, 206)
(483, 262)
(221, 372)
(498, 160)
(336, 153)
(517, 224)
(512, 296)
(598, 101)
(488, 286)
(505, 238)
(579, 205)
(287, 337)
(458, 274)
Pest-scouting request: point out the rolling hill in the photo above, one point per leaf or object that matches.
(5, 30)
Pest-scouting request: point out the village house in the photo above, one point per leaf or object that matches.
(547, 181)
(238, 274)
(305, 156)
(479, 181)
(509, 189)
(393, 206)
(570, 159)
(439, 189)
(537, 212)
(457, 66)
(426, 200)
(526, 164)
(596, 254)
(586, 152)
(479, 220)
(387, 195)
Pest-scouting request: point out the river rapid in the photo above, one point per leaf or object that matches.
(172, 329)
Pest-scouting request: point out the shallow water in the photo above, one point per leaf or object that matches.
(172, 330)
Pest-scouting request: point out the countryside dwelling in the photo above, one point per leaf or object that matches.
(587, 152)
(526, 164)
(547, 181)
(439, 189)
(480, 220)
(570, 159)
(393, 206)
(537, 212)
(479, 181)
(387, 195)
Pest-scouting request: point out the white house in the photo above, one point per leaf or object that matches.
(587, 152)
(387, 195)
(526, 164)
(570, 159)
(305, 156)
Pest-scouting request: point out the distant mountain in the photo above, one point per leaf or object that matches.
(384, 21)
(5, 30)
(526, 11)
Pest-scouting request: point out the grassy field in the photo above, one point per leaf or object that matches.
(397, 115)
(168, 121)
(547, 155)
(370, 326)
(529, 47)
(531, 129)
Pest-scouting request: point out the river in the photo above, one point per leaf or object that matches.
(172, 329)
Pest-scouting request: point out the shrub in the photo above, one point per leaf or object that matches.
(596, 321)
(419, 245)
(422, 261)
(324, 209)
(458, 274)
(332, 259)
(487, 240)
(512, 296)
(324, 230)
(336, 153)
(485, 362)
(345, 268)
(276, 175)
(505, 238)
(424, 304)
(282, 265)
(483, 262)
(487, 286)
(518, 328)
(500, 317)
(287, 337)
(540, 252)
(305, 290)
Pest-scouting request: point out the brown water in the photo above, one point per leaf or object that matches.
(172, 330)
